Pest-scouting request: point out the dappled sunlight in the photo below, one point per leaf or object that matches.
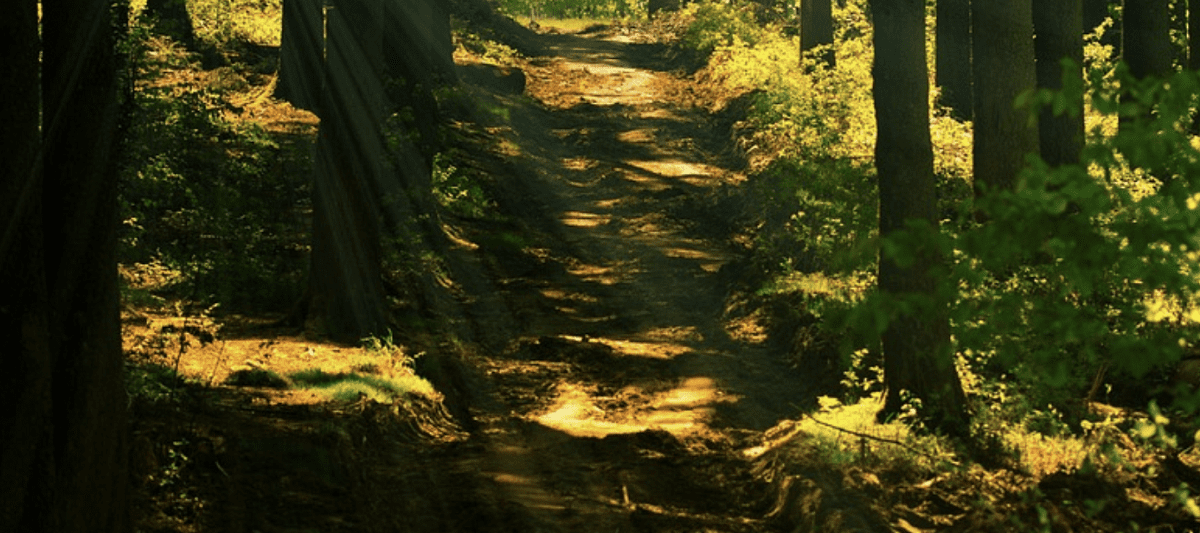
(513, 468)
(602, 274)
(675, 168)
(682, 410)
(641, 135)
(579, 219)
(654, 349)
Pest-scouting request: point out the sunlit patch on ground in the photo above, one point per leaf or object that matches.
(603, 274)
(643, 135)
(682, 410)
(656, 349)
(578, 219)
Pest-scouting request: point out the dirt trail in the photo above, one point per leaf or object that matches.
(623, 402)
(593, 386)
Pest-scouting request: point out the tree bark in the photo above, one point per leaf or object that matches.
(953, 56)
(1193, 33)
(171, 18)
(346, 278)
(1146, 44)
(419, 55)
(1058, 27)
(1147, 38)
(916, 343)
(1193, 62)
(816, 28)
(1003, 69)
(302, 54)
(86, 479)
(1094, 13)
(25, 380)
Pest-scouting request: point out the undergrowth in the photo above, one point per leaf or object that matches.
(215, 200)
(1051, 308)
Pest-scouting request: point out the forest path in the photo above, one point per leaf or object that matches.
(616, 397)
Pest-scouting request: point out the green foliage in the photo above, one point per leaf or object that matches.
(1092, 266)
(151, 382)
(574, 8)
(718, 24)
(204, 195)
(813, 134)
(348, 386)
(458, 191)
(221, 22)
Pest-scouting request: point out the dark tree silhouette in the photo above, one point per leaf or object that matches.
(64, 439)
(171, 18)
(26, 378)
(419, 56)
(1193, 61)
(953, 56)
(1094, 13)
(1193, 33)
(816, 28)
(916, 343)
(346, 279)
(1003, 69)
(1147, 38)
(1058, 30)
(302, 54)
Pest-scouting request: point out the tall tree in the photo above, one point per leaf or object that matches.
(1094, 13)
(1147, 38)
(302, 54)
(816, 28)
(916, 343)
(1003, 69)
(25, 353)
(1193, 39)
(171, 18)
(63, 444)
(1058, 30)
(346, 279)
(1193, 33)
(953, 56)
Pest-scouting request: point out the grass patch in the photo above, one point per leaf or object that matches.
(348, 386)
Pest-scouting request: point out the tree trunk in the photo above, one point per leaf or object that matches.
(1058, 26)
(1193, 63)
(346, 278)
(1094, 13)
(1147, 38)
(1003, 69)
(302, 54)
(816, 28)
(419, 55)
(916, 343)
(1146, 45)
(25, 380)
(1193, 23)
(86, 477)
(953, 56)
(171, 18)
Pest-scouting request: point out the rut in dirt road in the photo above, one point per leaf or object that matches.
(614, 398)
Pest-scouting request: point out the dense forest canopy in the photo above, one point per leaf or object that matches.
(966, 232)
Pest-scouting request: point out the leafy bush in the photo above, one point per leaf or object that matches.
(575, 8)
(720, 24)
(202, 193)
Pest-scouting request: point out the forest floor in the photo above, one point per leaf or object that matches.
(603, 387)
